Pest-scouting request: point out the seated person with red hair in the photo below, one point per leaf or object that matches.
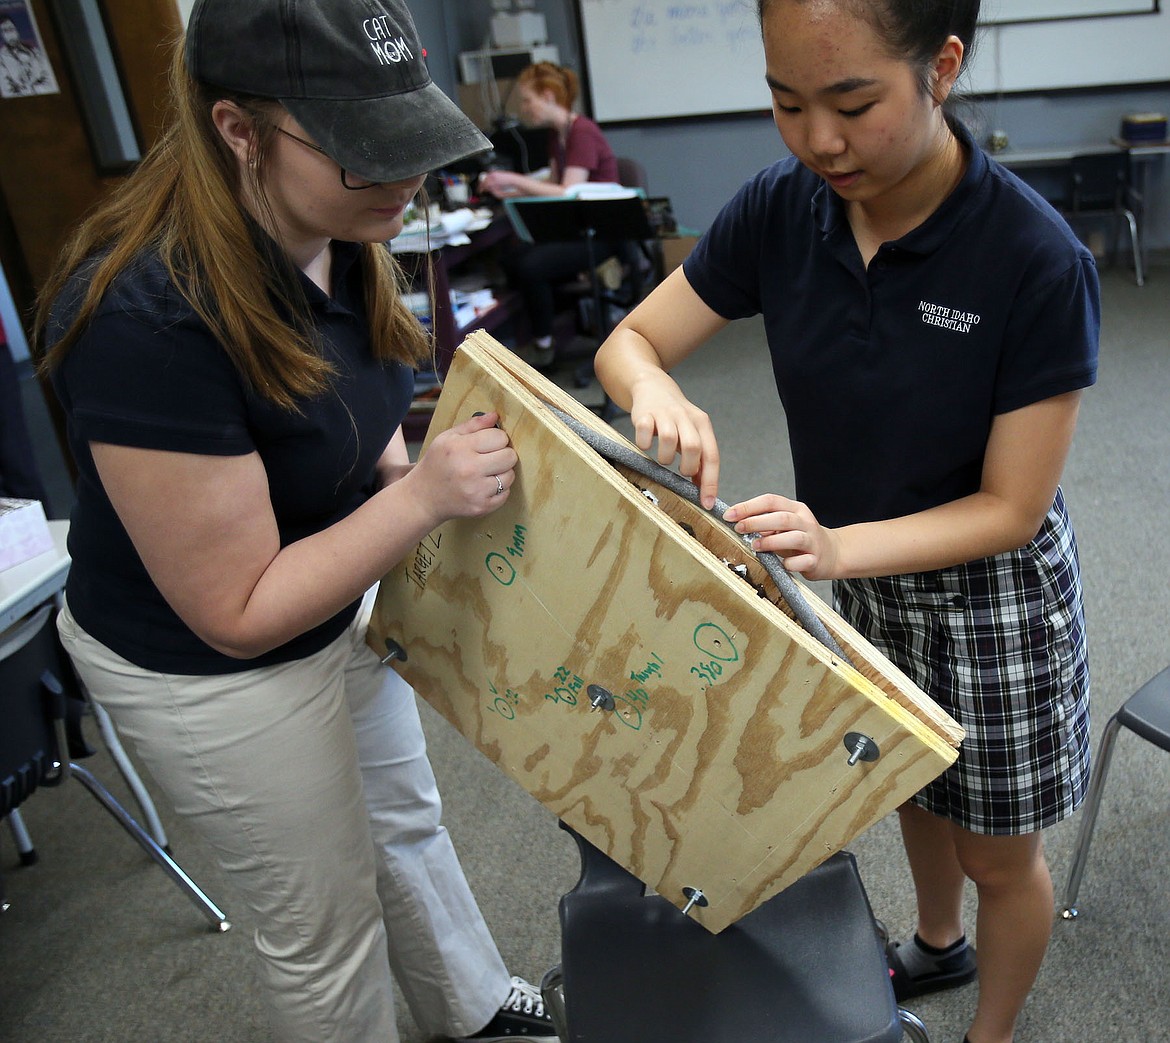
(578, 152)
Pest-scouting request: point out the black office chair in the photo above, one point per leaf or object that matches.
(1099, 187)
(806, 965)
(40, 708)
(1145, 713)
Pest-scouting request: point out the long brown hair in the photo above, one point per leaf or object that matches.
(183, 202)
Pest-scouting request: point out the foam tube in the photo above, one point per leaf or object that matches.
(615, 452)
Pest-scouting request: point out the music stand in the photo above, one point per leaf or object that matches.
(570, 219)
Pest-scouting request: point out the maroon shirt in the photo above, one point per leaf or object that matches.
(585, 147)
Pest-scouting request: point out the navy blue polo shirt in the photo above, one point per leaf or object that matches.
(148, 373)
(890, 375)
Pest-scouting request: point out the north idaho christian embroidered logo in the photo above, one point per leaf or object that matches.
(948, 318)
(389, 45)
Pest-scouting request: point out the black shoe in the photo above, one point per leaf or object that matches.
(916, 969)
(521, 1017)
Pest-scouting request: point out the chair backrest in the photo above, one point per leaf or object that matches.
(632, 174)
(1098, 181)
(805, 965)
(31, 665)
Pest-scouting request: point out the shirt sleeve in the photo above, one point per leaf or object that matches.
(724, 267)
(1052, 339)
(585, 148)
(139, 379)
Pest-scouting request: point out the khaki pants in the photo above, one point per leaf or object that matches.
(311, 783)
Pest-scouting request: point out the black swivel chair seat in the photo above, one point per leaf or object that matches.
(1145, 713)
(807, 965)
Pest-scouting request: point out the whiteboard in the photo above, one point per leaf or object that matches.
(999, 11)
(658, 59)
(661, 58)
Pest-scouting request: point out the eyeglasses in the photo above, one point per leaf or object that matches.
(351, 181)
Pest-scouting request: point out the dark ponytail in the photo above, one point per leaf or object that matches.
(913, 30)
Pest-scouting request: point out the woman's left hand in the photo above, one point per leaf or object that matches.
(499, 183)
(788, 529)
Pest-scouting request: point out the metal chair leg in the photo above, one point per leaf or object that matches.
(24, 848)
(1135, 243)
(133, 780)
(20, 837)
(1089, 818)
(912, 1026)
(205, 905)
(553, 993)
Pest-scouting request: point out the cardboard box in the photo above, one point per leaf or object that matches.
(675, 250)
(24, 531)
(625, 657)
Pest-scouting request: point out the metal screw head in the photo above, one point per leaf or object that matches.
(393, 651)
(861, 747)
(600, 698)
(694, 896)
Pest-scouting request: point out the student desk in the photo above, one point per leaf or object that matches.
(25, 588)
(449, 259)
(1059, 156)
(31, 583)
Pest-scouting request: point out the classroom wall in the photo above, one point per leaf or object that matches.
(678, 154)
(652, 59)
(700, 162)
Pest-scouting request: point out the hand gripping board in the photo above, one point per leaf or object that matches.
(719, 757)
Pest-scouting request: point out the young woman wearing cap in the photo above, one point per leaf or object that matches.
(578, 152)
(931, 323)
(234, 359)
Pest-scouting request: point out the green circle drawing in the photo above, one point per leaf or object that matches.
(503, 570)
(635, 725)
(720, 642)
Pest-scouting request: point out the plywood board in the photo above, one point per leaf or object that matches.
(723, 765)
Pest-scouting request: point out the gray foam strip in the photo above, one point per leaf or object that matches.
(615, 452)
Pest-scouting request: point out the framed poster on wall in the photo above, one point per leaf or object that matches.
(25, 70)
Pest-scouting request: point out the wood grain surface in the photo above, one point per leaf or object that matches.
(723, 764)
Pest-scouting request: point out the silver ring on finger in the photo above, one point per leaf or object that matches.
(499, 485)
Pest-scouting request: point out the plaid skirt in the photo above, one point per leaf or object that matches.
(1000, 645)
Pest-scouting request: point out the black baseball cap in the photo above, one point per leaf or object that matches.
(351, 72)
